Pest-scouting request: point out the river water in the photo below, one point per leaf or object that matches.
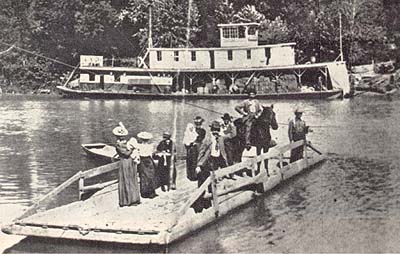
(351, 203)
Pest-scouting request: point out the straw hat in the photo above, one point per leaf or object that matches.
(166, 134)
(120, 131)
(298, 110)
(145, 135)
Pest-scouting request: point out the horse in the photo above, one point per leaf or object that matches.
(260, 135)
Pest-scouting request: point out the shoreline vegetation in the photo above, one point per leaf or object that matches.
(42, 40)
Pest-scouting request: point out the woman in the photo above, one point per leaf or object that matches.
(146, 168)
(189, 140)
(128, 187)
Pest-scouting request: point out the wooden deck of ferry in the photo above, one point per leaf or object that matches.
(165, 218)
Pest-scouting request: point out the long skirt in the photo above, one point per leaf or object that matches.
(164, 174)
(147, 174)
(128, 187)
(192, 153)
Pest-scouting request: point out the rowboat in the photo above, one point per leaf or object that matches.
(100, 151)
(166, 218)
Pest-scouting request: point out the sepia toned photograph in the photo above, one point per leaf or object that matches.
(199, 126)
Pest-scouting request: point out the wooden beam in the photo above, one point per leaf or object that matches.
(32, 209)
(98, 185)
(199, 192)
(100, 170)
(290, 146)
(250, 79)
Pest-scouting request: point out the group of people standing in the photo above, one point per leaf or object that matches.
(137, 160)
(204, 153)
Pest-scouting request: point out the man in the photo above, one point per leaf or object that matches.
(166, 162)
(198, 121)
(228, 132)
(212, 156)
(250, 109)
(297, 131)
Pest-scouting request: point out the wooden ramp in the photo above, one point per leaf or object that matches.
(165, 218)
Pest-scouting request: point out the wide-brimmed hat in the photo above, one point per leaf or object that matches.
(198, 119)
(120, 131)
(145, 135)
(166, 134)
(226, 116)
(298, 110)
(215, 126)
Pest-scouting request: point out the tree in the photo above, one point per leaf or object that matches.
(169, 22)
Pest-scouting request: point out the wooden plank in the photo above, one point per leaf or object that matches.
(313, 148)
(99, 185)
(234, 168)
(116, 237)
(100, 170)
(81, 186)
(290, 146)
(190, 202)
(32, 209)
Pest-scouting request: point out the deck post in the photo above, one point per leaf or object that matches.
(254, 168)
(325, 73)
(305, 153)
(81, 187)
(214, 193)
(299, 74)
(280, 163)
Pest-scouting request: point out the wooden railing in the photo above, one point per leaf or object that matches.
(252, 164)
(95, 172)
(202, 190)
(80, 177)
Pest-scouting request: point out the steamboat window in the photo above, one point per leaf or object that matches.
(230, 32)
(92, 77)
(193, 56)
(242, 32)
(230, 56)
(176, 56)
(248, 54)
(159, 56)
(252, 30)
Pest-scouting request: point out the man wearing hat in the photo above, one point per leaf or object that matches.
(201, 133)
(166, 163)
(250, 109)
(212, 156)
(297, 131)
(228, 132)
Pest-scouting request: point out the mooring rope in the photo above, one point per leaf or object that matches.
(7, 50)
(39, 55)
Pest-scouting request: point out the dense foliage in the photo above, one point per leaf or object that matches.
(64, 29)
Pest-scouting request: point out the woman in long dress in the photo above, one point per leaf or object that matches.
(146, 168)
(128, 186)
(189, 140)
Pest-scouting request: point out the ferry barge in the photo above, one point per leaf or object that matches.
(224, 72)
(161, 220)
